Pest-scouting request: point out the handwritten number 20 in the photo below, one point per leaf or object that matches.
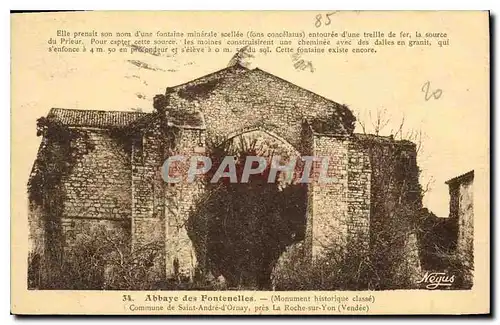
(320, 16)
(426, 88)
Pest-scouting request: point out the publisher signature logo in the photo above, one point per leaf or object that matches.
(434, 280)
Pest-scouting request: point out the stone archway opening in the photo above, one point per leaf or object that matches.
(248, 225)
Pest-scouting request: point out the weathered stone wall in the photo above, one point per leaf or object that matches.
(340, 212)
(409, 270)
(447, 243)
(37, 264)
(147, 187)
(148, 212)
(395, 205)
(95, 193)
(329, 218)
(36, 224)
(116, 179)
(182, 257)
(359, 175)
(98, 184)
(465, 240)
(239, 99)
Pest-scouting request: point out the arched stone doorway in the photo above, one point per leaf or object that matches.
(237, 103)
(247, 225)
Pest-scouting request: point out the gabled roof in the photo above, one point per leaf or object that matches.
(217, 75)
(119, 119)
(194, 88)
(94, 118)
(202, 87)
(235, 71)
(464, 178)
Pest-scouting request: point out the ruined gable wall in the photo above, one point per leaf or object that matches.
(258, 99)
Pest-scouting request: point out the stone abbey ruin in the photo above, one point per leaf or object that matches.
(102, 217)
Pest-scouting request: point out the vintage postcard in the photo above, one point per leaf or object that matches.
(250, 163)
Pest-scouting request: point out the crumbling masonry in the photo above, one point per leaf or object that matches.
(103, 167)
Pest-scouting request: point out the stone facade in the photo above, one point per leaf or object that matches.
(179, 198)
(359, 192)
(115, 173)
(147, 192)
(340, 209)
(447, 243)
(462, 210)
(237, 99)
(462, 214)
(99, 185)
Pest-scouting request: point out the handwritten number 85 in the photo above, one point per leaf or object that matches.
(320, 16)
